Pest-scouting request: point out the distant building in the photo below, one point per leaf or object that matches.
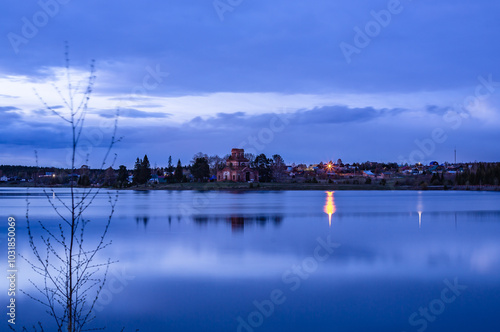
(237, 168)
(368, 174)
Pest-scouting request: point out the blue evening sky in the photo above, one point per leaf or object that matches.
(314, 81)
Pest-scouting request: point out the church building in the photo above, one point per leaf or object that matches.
(238, 168)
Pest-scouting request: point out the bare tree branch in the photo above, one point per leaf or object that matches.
(72, 273)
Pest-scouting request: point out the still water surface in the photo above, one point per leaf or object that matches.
(290, 260)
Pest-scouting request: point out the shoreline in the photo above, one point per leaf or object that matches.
(226, 186)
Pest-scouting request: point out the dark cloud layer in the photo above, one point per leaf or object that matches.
(8, 116)
(341, 114)
(135, 114)
(318, 115)
(285, 46)
(8, 108)
(437, 110)
(319, 134)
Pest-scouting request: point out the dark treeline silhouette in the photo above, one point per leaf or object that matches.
(142, 171)
(270, 169)
(479, 174)
(203, 168)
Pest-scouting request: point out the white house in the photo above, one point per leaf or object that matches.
(4, 179)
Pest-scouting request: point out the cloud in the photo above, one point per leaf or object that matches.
(148, 106)
(135, 114)
(32, 134)
(236, 119)
(41, 112)
(312, 135)
(437, 110)
(8, 115)
(317, 115)
(343, 114)
(279, 46)
(9, 108)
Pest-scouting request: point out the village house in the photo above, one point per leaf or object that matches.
(238, 168)
(369, 174)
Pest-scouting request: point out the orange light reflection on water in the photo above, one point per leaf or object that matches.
(330, 207)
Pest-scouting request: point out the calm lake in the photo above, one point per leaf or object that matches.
(287, 261)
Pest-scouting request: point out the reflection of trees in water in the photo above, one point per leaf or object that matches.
(144, 220)
(238, 222)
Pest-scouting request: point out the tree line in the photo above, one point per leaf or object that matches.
(202, 168)
(143, 172)
(479, 174)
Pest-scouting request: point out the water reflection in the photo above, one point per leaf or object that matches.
(420, 208)
(238, 221)
(191, 274)
(330, 207)
(142, 219)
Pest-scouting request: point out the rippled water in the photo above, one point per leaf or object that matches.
(291, 260)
